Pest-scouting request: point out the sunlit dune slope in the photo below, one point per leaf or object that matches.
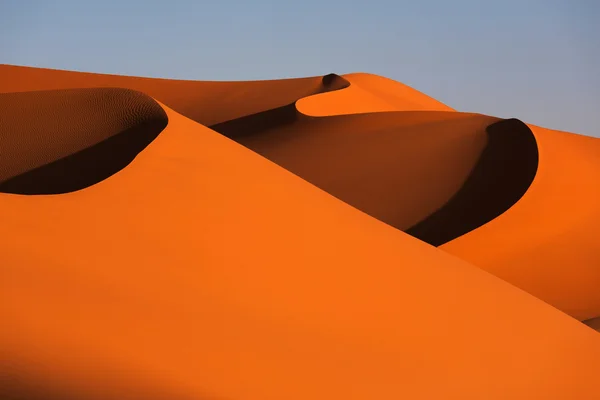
(436, 175)
(207, 102)
(369, 93)
(63, 140)
(207, 271)
(547, 243)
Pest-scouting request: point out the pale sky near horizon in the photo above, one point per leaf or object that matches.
(536, 60)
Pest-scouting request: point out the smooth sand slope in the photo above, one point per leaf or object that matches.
(202, 270)
(547, 243)
(59, 141)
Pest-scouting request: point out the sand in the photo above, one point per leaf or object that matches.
(58, 141)
(206, 102)
(547, 243)
(593, 323)
(368, 93)
(436, 175)
(203, 268)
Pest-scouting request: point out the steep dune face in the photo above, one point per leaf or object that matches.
(368, 93)
(209, 272)
(206, 102)
(59, 141)
(436, 175)
(547, 243)
(504, 171)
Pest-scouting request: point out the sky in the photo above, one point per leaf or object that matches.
(536, 60)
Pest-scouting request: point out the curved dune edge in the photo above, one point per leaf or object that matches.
(276, 118)
(504, 172)
(221, 275)
(59, 141)
(368, 93)
(435, 175)
(206, 102)
(547, 244)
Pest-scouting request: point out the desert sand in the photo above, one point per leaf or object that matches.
(593, 323)
(168, 239)
(60, 141)
(547, 243)
(368, 93)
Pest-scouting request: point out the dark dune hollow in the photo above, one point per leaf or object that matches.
(260, 122)
(60, 141)
(504, 172)
(334, 82)
(276, 117)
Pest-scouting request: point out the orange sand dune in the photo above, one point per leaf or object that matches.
(203, 101)
(205, 271)
(547, 243)
(369, 93)
(361, 182)
(63, 140)
(436, 175)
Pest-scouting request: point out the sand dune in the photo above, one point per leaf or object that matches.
(175, 263)
(408, 169)
(547, 242)
(59, 141)
(207, 270)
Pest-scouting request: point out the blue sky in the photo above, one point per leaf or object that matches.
(537, 60)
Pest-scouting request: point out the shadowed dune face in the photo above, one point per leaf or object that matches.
(206, 102)
(547, 243)
(60, 141)
(504, 171)
(30, 381)
(276, 118)
(436, 175)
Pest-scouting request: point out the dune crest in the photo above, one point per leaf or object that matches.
(368, 93)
